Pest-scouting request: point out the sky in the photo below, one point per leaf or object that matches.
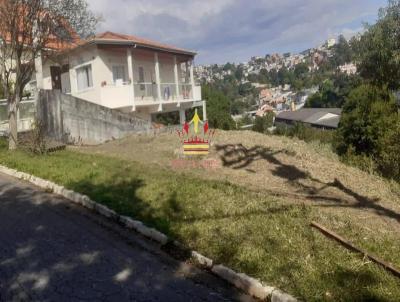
(234, 30)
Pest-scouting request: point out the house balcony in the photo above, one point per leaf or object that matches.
(126, 94)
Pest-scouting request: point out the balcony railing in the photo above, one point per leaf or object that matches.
(119, 96)
(168, 92)
(186, 91)
(145, 91)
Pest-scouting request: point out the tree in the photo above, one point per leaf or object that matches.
(377, 50)
(262, 123)
(342, 52)
(389, 157)
(30, 29)
(300, 70)
(218, 108)
(239, 73)
(333, 93)
(367, 115)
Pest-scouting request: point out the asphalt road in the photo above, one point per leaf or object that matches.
(53, 250)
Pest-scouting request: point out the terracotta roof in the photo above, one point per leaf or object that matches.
(111, 37)
(53, 42)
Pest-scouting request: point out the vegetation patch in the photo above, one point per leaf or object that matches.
(251, 231)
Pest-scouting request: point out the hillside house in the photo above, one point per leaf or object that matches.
(125, 73)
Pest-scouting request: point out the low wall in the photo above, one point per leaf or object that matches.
(76, 121)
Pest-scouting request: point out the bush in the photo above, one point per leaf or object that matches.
(369, 131)
(244, 121)
(35, 140)
(218, 109)
(361, 161)
(367, 115)
(389, 156)
(306, 133)
(262, 123)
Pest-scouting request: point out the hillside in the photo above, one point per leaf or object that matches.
(253, 213)
(286, 168)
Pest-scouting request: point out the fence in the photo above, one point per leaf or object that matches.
(25, 115)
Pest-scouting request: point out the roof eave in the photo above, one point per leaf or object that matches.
(141, 45)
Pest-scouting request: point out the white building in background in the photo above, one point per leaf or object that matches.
(349, 69)
(126, 73)
(330, 42)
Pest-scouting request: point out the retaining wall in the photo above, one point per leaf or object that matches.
(76, 121)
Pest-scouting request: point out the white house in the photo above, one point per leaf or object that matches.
(126, 73)
(349, 69)
(330, 42)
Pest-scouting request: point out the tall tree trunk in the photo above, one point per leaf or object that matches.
(13, 123)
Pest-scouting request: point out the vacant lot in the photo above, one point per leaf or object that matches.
(284, 168)
(253, 212)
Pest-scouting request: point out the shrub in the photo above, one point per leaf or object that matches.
(306, 133)
(35, 141)
(369, 131)
(367, 114)
(389, 156)
(218, 108)
(262, 123)
(361, 161)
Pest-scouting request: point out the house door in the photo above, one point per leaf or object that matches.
(55, 72)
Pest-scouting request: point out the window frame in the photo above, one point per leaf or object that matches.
(124, 78)
(89, 78)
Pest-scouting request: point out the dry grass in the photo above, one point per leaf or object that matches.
(252, 214)
(285, 168)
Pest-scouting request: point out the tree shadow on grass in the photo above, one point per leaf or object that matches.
(53, 250)
(239, 157)
(121, 196)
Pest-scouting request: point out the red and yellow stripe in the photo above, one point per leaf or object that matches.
(195, 149)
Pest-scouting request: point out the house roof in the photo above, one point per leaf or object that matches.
(324, 117)
(52, 42)
(111, 38)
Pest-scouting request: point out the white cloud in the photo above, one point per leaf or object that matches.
(233, 30)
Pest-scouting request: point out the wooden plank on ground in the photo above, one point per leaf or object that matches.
(347, 244)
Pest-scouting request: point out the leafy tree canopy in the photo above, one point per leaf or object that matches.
(367, 115)
(218, 108)
(378, 49)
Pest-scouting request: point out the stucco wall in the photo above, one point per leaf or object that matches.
(88, 56)
(104, 91)
(47, 84)
(76, 121)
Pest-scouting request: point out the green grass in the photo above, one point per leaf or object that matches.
(248, 231)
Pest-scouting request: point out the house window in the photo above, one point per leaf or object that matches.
(119, 73)
(84, 77)
(141, 78)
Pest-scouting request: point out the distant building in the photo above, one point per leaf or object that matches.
(264, 110)
(330, 42)
(318, 58)
(325, 118)
(265, 96)
(348, 68)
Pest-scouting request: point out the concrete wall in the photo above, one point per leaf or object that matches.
(75, 121)
(47, 84)
(84, 57)
(109, 59)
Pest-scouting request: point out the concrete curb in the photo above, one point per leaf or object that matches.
(244, 282)
(199, 259)
(249, 285)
